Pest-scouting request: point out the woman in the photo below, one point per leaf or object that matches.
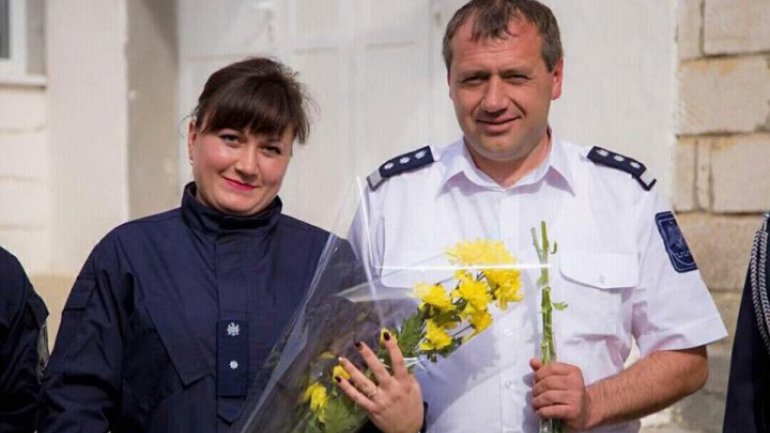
(172, 315)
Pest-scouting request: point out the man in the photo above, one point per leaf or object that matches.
(622, 265)
(23, 347)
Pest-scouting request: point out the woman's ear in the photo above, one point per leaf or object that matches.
(192, 135)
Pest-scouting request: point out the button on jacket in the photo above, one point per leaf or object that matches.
(172, 317)
(612, 268)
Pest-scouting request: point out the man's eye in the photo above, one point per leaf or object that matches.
(472, 80)
(517, 79)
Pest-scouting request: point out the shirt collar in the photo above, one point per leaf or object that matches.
(213, 222)
(555, 169)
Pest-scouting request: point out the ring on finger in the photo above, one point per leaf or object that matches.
(372, 394)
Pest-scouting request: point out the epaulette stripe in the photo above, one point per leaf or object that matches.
(629, 165)
(408, 161)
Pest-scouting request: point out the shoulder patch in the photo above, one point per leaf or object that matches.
(629, 165)
(408, 161)
(676, 246)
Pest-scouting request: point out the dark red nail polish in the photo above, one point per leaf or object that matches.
(358, 345)
(386, 335)
(338, 379)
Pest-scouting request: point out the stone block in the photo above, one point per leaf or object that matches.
(703, 189)
(724, 95)
(728, 304)
(702, 411)
(684, 181)
(22, 109)
(24, 155)
(721, 246)
(739, 173)
(719, 370)
(689, 28)
(736, 26)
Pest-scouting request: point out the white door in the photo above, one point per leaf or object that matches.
(372, 67)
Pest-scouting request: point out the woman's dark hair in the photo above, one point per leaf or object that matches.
(258, 94)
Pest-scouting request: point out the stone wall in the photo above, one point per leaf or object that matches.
(722, 183)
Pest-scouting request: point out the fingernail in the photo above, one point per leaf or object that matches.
(386, 335)
(338, 379)
(358, 345)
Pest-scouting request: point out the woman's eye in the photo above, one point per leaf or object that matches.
(230, 138)
(272, 149)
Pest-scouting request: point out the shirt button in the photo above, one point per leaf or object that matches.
(233, 364)
(508, 384)
(508, 332)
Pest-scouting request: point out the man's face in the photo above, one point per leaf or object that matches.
(502, 91)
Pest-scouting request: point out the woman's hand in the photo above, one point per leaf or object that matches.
(393, 402)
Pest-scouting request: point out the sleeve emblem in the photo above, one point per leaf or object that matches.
(676, 246)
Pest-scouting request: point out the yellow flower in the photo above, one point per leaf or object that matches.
(480, 252)
(480, 321)
(435, 337)
(509, 291)
(433, 295)
(473, 291)
(340, 371)
(316, 393)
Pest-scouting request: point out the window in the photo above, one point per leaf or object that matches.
(22, 41)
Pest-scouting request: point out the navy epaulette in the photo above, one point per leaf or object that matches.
(408, 161)
(623, 163)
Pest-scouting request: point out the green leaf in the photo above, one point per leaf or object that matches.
(410, 334)
(560, 306)
(342, 417)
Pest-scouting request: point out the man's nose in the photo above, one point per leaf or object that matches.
(494, 96)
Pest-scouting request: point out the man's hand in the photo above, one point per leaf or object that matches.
(649, 385)
(560, 392)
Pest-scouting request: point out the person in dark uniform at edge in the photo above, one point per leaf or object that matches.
(748, 394)
(172, 314)
(23, 347)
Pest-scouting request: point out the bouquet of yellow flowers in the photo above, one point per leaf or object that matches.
(446, 317)
(296, 391)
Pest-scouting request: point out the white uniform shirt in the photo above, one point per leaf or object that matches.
(611, 267)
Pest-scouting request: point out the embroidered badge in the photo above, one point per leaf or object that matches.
(676, 246)
(233, 329)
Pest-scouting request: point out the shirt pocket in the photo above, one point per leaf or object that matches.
(594, 286)
(161, 357)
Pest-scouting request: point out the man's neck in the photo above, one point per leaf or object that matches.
(507, 173)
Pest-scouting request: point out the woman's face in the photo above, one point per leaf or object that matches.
(236, 172)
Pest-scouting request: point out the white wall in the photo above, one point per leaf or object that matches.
(88, 125)
(376, 71)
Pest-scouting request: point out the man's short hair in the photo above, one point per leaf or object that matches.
(490, 21)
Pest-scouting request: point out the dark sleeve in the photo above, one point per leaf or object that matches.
(81, 387)
(747, 407)
(23, 347)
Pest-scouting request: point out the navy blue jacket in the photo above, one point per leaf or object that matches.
(23, 347)
(172, 317)
(748, 395)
